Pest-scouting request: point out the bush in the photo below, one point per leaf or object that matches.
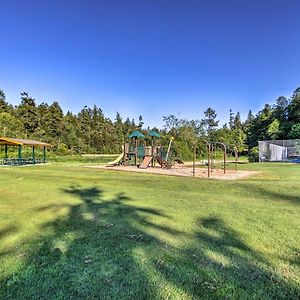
(182, 150)
(253, 155)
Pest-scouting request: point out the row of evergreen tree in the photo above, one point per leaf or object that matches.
(90, 131)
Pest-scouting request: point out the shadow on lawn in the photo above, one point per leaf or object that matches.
(267, 192)
(6, 232)
(103, 249)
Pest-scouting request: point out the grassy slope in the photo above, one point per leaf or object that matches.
(72, 232)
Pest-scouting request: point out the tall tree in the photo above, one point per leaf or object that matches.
(237, 123)
(210, 121)
(231, 119)
(294, 108)
(141, 122)
(10, 126)
(27, 112)
(56, 118)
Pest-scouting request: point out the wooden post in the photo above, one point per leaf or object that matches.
(20, 154)
(44, 155)
(5, 151)
(152, 152)
(211, 157)
(135, 151)
(124, 153)
(194, 161)
(208, 159)
(224, 158)
(236, 157)
(33, 158)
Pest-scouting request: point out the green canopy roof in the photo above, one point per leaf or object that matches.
(136, 134)
(153, 133)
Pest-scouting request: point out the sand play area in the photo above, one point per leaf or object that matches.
(182, 170)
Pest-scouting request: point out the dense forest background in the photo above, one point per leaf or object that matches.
(90, 131)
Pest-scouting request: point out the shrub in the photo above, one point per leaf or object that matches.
(253, 155)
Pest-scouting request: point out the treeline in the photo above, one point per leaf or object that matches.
(90, 131)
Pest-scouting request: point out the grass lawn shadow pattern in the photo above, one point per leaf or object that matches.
(102, 249)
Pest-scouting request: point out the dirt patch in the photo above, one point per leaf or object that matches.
(182, 171)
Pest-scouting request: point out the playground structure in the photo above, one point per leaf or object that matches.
(137, 152)
(19, 144)
(211, 148)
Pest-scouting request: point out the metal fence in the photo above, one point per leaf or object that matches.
(279, 150)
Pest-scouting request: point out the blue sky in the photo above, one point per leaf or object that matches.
(151, 57)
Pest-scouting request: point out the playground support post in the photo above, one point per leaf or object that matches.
(224, 154)
(208, 157)
(169, 148)
(194, 160)
(212, 156)
(208, 150)
(236, 156)
(152, 152)
(224, 158)
(124, 152)
(135, 151)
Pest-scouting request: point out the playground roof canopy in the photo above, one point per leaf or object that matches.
(16, 142)
(153, 133)
(136, 134)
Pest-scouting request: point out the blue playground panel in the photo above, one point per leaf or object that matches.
(140, 151)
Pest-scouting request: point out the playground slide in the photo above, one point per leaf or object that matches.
(146, 162)
(117, 160)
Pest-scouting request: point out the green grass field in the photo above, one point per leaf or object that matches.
(71, 232)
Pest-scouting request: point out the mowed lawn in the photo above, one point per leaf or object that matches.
(70, 232)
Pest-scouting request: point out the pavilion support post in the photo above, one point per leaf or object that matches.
(124, 153)
(33, 155)
(20, 154)
(5, 151)
(44, 155)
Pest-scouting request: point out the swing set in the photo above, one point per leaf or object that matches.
(211, 153)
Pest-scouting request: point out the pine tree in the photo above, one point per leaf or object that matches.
(28, 114)
(231, 119)
(237, 123)
(141, 122)
(210, 121)
(3, 104)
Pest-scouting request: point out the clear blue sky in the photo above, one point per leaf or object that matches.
(151, 57)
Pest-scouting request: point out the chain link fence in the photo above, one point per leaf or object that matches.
(279, 150)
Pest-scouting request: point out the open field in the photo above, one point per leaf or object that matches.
(67, 231)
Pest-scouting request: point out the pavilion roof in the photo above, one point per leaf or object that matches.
(15, 142)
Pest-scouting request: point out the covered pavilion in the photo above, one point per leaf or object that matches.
(20, 143)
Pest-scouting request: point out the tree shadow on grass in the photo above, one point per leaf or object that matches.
(265, 192)
(6, 232)
(219, 265)
(103, 249)
(88, 251)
